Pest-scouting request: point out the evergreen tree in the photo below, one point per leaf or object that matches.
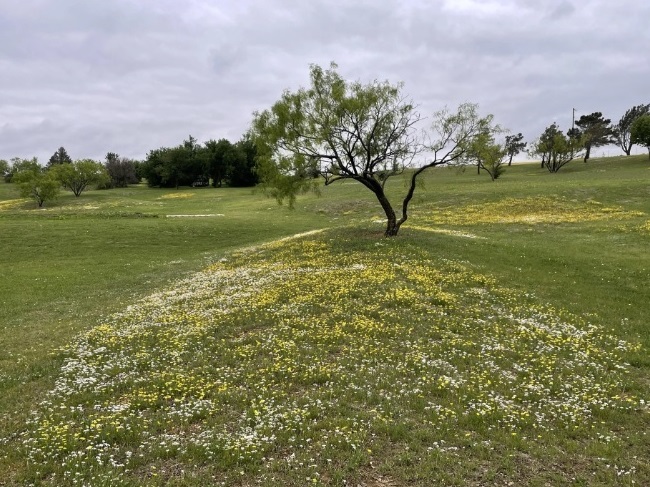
(595, 131)
(59, 157)
(514, 145)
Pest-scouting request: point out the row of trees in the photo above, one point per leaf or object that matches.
(43, 184)
(191, 163)
(557, 149)
(121, 171)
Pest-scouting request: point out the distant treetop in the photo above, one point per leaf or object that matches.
(59, 157)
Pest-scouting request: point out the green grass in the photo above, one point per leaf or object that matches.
(475, 257)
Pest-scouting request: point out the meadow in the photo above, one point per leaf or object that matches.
(211, 337)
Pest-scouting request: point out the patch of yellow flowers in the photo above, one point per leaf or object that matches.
(543, 209)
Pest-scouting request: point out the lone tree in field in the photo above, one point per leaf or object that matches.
(78, 175)
(59, 157)
(557, 149)
(640, 132)
(488, 154)
(36, 184)
(623, 128)
(595, 132)
(514, 145)
(348, 130)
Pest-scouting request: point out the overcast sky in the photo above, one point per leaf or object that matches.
(131, 75)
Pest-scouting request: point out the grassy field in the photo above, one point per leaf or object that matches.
(502, 337)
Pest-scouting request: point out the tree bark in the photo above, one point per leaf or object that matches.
(587, 153)
(510, 160)
(392, 227)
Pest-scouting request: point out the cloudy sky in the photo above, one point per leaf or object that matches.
(132, 75)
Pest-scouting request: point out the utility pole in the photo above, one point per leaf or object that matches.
(573, 120)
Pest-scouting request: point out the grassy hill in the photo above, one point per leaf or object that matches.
(502, 337)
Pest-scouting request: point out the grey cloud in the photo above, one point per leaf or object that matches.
(130, 76)
(564, 9)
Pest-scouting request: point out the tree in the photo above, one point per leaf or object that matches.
(640, 132)
(217, 160)
(624, 126)
(4, 167)
(349, 130)
(595, 131)
(174, 166)
(488, 154)
(121, 171)
(557, 149)
(514, 145)
(242, 170)
(38, 185)
(21, 165)
(59, 157)
(78, 175)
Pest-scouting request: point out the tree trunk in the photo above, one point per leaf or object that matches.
(510, 160)
(391, 220)
(478, 167)
(392, 226)
(587, 153)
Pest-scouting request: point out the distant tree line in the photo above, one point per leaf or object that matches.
(188, 164)
(556, 149)
(45, 183)
(221, 162)
(192, 164)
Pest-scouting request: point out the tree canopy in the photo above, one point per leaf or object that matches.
(640, 132)
(38, 185)
(557, 149)
(364, 132)
(243, 171)
(78, 175)
(121, 171)
(623, 128)
(514, 144)
(59, 157)
(219, 159)
(488, 154)
(595, 131)
(21, 165)
(190, 162)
